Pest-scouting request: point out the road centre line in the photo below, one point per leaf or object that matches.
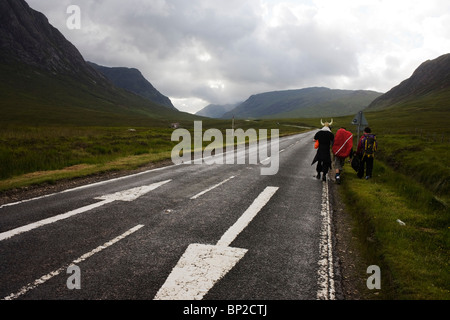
(247, 216)
(85, 256)
(213, 187)
(266, 160)
(201, 266)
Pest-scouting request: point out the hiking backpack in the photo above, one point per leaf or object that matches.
(369, 144)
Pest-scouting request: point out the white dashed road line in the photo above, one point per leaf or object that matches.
(213, 187)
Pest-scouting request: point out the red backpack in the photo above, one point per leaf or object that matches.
(343, 143)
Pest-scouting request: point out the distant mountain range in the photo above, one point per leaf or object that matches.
(301, 103)
(427, 89)
(45, 80)
(216, 110)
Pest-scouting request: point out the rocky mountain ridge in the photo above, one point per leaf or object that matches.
(430, 77)
(28, 37)
(131, 79)
(44, 79)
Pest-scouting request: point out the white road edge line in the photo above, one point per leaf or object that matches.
(213, 187)
(52, 274)
(326, 286)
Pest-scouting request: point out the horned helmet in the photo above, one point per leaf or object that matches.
(326, 124)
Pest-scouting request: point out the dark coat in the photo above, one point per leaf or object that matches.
(326, 139)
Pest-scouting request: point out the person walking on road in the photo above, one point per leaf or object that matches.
(367, 147)
(323, 158)
(342, 148)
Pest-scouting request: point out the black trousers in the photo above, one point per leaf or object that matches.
(367, 165)
(323, 166)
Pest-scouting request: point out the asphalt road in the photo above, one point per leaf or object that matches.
(189, 231)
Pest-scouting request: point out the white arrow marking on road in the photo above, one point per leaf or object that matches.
(127, 195)
(201, 266)
(132, 194)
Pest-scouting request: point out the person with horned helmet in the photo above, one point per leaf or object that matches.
(323, 158)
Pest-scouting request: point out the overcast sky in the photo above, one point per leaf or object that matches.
(198, 52)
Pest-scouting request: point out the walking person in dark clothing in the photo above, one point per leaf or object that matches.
(367, 147)
(323, 157)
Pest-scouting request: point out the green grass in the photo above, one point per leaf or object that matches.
(31, 155)
(410, 183)
(29, 149)
(425, 161)
(50, 151)
(414, 258)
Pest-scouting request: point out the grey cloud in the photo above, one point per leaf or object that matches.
(225, 51)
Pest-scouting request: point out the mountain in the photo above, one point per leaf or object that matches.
(307, 102)
(131, 79)
(432, 77)
(45, 80)
(216, 110)
(28, 37)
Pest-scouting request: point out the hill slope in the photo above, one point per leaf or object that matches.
(45, 80)
(131, 79)
(431, 78)
(28, 37)
(308, 102)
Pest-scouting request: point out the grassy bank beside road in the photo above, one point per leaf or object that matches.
(403, 230)
(401, 216)
(33, 155)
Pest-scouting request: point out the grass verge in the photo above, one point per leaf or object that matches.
(414, 256)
